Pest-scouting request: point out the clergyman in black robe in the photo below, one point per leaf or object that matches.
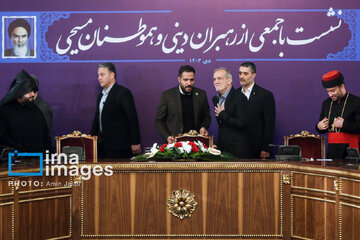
(22, 124)
(340, 116)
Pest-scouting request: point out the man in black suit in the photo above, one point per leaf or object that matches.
(115, 121)
(261, 112)
(230, 111)
(183, 108)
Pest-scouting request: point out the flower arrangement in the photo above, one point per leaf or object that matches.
(184, 150)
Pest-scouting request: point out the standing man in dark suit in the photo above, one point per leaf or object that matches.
(230, 111)
(115, 121)
(183, 108)
(261, 111)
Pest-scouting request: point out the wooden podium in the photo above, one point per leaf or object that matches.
(186, 200)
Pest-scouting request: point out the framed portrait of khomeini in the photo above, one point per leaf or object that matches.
(19, 37)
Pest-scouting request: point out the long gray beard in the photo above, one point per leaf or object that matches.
(20, 51)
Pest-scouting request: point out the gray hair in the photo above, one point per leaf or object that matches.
(228, 73)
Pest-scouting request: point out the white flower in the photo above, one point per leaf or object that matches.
(154, 147)
(171, 145)
(187, 147)
(181, 149)
(153, 151)
(201, 146)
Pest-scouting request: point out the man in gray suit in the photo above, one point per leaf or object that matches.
(183, 108)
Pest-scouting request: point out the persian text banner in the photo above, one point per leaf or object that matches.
(167, 36)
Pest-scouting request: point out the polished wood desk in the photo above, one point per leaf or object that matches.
(235, 200)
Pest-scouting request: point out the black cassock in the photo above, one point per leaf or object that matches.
(351, 123)
(23, 128)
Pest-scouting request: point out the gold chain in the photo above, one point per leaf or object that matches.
(333, 128)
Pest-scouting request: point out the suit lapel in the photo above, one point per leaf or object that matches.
(253, 93)
(229, 98)
(109, 99)
(98, 100)
(195, 97)
(177, 101)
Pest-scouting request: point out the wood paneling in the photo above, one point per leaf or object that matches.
(350, 208)
(6, 208)
(261, 214)
(234, 200)
(6, 221)
(350, 221)
(228, 204)
(43, 219)
(314, 208)
(106, 205)
(192, 182)
(313, 218)
(150, 203)
(35, 207)
(313, 181)
(222, 204)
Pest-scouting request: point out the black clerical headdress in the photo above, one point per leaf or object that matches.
(22, 84)
(332, 79)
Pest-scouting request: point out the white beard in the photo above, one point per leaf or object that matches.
(20, 51)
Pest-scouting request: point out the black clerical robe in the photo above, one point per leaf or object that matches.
(23, 128)
(351, 115)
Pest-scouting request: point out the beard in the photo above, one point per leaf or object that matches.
(28, 103)
(21, 50)
(186, 90)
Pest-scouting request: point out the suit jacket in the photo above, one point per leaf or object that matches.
(261, 113)
(119, 120)
(169, 119)
(233, 125)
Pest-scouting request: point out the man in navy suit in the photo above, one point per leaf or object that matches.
(261, 112)
(115, 122)
(230, 110)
